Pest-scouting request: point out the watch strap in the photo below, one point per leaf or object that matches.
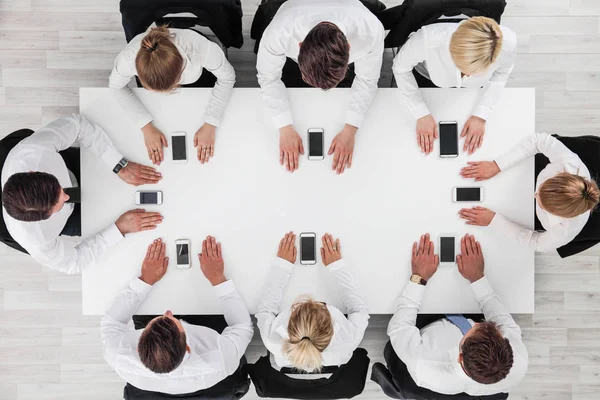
(120, 165)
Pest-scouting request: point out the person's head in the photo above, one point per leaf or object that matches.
(310, 330)
(485, 355)
(323, 57)
(475, 45)
(162, 345)
(33, 196)
(568, 195)
(158, 62)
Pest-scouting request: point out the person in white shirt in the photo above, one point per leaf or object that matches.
(311, 334)
(35, 205)
(164, 59)
(171, 356)
(473, 53)
(323, 37)
(455, 355)
(565, 194)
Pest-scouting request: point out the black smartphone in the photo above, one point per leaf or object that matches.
(148, 197)
(178, 146)
(447, 247)
(448, 139)
(467, 194)
(308, 248)
(315, 144)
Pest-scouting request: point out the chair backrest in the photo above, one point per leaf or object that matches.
(411, 15)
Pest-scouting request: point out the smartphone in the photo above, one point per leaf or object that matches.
(182, 247)
(467, 194)
(179, 148)
(148, 197)
(308, 248)
(315, 144)
(447, 249)
(448, 139)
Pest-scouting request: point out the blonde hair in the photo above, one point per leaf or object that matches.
(310, 330)
(568, 195)
(158, 62)
(476, 44)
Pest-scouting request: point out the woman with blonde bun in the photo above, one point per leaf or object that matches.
(474, 53)
(310, 334)
(164, 59)
(565, 193)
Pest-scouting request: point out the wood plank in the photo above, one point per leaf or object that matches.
(586, 392)
(42, 96)
(583, 336)
(22, 58)
(56, 21)
(42, 355)
(582, 301)
(10, 337)
(29, 374)
(583, 81)
(42, 300)
(89, 373)
(574, 355)
(88, 40)
(584, 7)
(551, 264)
(44, 78)
(536, 8)
(80, 6)
(560, 25)
(28, 40)
(80, 336)
(81, 60)
(584, 99)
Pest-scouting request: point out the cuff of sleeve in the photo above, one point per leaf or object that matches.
(482, 288)
(224, 288)
(285, 264)
(282, 120)
(420, 111)
(142, 122)
(483, 112)
(140, 287)
(504, 161)
(112, 235)
(498, 222)
(211, 120)
(111, 157)
(354, 119)
(337, 265)
(414, 292)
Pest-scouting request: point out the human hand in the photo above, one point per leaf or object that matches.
(211, 261)
(480, 170)
(138, 220)
(424, 262)
(331, 250)
(136, 174)
(204, 140)
(426, 133)
(287, 247)
(155, 264)
(290, 144)
(470, 260)
(342, 148)
(479, 216)
(473, 131)
(155, 140)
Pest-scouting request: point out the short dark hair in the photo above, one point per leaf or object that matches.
(323, 57)
(30, 196)
(162, 346)
(487, 355)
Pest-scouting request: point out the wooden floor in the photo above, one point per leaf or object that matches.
(50, 48)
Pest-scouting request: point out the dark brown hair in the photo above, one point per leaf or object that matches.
(323, 57)
(30, 196)
(158, 62)
(162, 346)
(487, 355)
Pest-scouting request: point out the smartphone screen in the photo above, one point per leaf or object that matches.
(315, 143)
(448, 139)
(446, 249)
(468, 194)
(148, 197)
(178, 143)
(183, 254)
(307, 244)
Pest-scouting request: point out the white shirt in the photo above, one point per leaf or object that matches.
(431, 354)
(289, 27)
(39, 152)
(348, 332)
(431, 45)
(198, 52)
(559, 231)
(213, 356)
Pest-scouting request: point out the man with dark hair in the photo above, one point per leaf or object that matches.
(170, 355)
(323, 37)
(454, 354)
(37, 207)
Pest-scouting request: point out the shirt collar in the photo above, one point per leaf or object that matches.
(458, 370)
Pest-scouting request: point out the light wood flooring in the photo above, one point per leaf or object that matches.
(50, 48)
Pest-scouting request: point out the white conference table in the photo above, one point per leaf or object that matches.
(391, 195)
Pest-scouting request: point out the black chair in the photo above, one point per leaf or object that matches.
(345, 382)
(588, 150)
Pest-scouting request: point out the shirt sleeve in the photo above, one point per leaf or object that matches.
(410, 54)
(67, 256)
(123, 71)
(269, 64)
(218, 65)
(268, 309)
(113, 325)
(237, 336)
(364, 86)
(354, 305)
(536, 143)
(404, 335)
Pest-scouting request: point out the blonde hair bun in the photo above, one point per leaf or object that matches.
(568, 195)
(476, 44)
(158, 62)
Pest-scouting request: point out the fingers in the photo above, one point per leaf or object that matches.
(295, 252)
(350, 160)
(328, 243)
(414, 249)
(204, 253)
(338, 245)
(196, 140)
(163, 139)
(296, 163)
(290, 240)
(165, 264)
(282, 243)
(336, 159)
(155, 250)
(160, 154)
(163, 250)
(471, 244)
(459, 262)
(426, 245)
(342, 163)
(463, 245)
(420, 142)
(465, 130)
(281, 153)
(430, 250)
(212, 251)
(219, 251)
(467, 144)
(331, 148)
(212, 150)
(429, 143)
(323, 254)
(435, 131)
(421, 245)
(480, 141)
(301, 147)
(479, 252)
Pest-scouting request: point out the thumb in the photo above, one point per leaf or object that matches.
(331, 149)
(166, 262)
(437, 259)
(164, 140)
(435, 131)
(301, 147)
(465, 130)
(195, 141)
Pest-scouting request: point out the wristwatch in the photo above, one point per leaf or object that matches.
(418, 279)
(122, 164)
